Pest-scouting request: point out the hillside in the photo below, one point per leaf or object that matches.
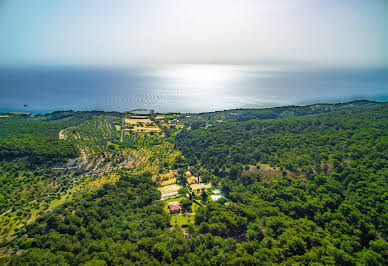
(287, 185)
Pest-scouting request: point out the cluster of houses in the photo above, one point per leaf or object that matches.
(171, 122)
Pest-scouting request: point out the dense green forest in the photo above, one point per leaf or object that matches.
(35, 140)
(307, 186)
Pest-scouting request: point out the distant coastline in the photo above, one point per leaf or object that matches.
(314, 106)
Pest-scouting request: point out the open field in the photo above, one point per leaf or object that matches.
(137, 121)
(4, 116)
(170, 188)
(268, 172)
(182, 219)
(168, 182)
(143, 129)
(141, 124)
(198, 187)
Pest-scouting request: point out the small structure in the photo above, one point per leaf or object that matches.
(216, 191)
(174, 207)
(220, 121)
(174, 121)
(216, 197)
(168, 195)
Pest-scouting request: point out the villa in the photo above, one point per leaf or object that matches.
(174, 207)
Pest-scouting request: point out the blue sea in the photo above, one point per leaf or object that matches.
(183, 88)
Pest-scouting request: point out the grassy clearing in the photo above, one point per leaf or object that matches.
(181, 219)
(170, 188)
(198, 187)
(268, 172)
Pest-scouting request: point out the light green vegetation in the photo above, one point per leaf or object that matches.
(170, 188)
(181, 219)
(200, 187)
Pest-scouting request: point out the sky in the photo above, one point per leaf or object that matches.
(130, 32)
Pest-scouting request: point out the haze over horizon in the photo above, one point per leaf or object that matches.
(323, 33)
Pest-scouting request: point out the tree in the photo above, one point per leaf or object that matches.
(204, 195)
(186, 205)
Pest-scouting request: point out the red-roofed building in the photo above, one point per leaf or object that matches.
(174, 207)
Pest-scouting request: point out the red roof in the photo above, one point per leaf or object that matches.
(174, 206)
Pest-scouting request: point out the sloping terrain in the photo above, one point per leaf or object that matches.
(304, 190)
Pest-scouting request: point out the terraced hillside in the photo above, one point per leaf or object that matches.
(30, 191)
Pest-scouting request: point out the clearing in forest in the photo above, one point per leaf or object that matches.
(140, 124)
(135, 121)
(169, 188)
(202, 186)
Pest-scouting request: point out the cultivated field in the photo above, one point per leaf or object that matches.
(141, 124)
(135, 121)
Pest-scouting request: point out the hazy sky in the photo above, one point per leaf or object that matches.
(110, 32)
